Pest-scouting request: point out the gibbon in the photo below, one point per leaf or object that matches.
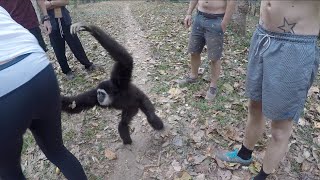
(117, 92)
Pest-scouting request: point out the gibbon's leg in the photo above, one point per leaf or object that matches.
(148, 109)
(123, 128)
(80, 102)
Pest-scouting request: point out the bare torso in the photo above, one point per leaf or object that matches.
(295, 16)
(212, 6)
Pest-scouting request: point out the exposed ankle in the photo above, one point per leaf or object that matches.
(245, 153)
(261, 176)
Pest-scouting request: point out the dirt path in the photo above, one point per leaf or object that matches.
(132, 159)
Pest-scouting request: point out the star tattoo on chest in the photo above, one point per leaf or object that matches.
(287, 27)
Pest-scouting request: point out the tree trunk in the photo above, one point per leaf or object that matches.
(240, 16)
(75, 3)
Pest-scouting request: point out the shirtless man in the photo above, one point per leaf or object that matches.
(208, 28)
(283, 62)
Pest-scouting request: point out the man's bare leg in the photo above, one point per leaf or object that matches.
(281, 132)
(254, 129)
(215, 72)
(255, 124)
(195, 64)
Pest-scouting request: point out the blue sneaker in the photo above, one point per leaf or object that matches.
(232, 157)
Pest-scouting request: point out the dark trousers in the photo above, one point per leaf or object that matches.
(35, 105)
(37, 33)
(58, 44)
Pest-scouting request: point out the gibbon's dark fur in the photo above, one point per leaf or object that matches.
(118, 92)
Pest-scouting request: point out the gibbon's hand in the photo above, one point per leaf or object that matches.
(76, 27)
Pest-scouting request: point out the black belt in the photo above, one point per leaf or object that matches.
(211, 16)
(13, 61)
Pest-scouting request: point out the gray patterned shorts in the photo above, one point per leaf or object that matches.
(280, 72)
(206, 29)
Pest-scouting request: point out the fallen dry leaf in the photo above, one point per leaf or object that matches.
(317, 125)
(228, 88)
(220, 163)
(305, 166)
(318, 109)
(185, 176)
(306, 154)
(254, 167)
(110, 154)
(198, 136)
(174, 93)
(200, 177)
(57, 171)
(176, 165)
(225, 175)
(299, 158)
(313, 89)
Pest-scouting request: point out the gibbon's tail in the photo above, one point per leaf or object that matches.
(148, 109)
(122, 70)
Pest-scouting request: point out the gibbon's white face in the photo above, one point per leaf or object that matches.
(103, 97)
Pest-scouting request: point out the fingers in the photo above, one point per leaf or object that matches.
(47, 27)
(187, 21)
(76, 27)
(73, 29)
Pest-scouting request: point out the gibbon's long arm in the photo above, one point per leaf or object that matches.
(122, 70)
(80, 102)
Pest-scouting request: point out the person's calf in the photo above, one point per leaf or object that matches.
(281, 131)
(215, 72)
(195, 64)
(255, 124)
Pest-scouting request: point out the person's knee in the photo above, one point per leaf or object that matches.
(195, 54)
(281, 131)
(255, 106)
(215, 62)
(280, 135)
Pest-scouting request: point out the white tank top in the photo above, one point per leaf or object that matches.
(15, 41)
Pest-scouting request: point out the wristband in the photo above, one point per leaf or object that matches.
(45, 18)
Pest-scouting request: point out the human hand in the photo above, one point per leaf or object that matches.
(48, 4)
(187, 21)
(47, 27)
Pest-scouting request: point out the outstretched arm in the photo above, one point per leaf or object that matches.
(76, 104)
(122, 70)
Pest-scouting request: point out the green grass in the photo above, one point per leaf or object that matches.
(28, 141)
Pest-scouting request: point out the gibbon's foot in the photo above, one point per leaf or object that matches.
(156, 123)
(70, 75)
(122, 146)
(91, 68)
(127, 141)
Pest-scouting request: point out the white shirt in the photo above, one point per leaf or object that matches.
(15, 40)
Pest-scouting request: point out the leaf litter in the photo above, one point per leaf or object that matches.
(194, 128)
